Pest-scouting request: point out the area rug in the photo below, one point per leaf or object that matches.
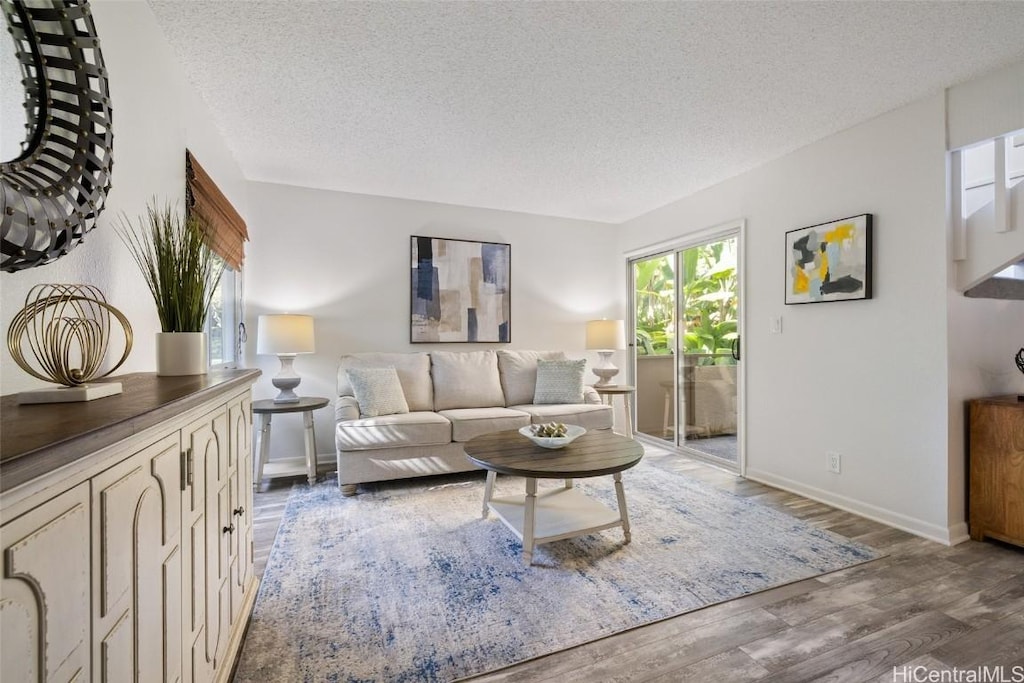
(406, 582)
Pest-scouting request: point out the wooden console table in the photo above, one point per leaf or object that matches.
(126, 527)
(996, 455)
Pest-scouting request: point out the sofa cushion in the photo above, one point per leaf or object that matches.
(413, 372)
(378, 391)
(518, 373)
(466, 379)
(471, 422)
(559, 381)
(583, 414)
(390, 431)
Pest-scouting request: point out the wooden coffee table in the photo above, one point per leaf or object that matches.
(563, 512)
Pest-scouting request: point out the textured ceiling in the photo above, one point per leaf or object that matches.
(596, 110)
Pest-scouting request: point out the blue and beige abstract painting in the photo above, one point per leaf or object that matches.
(829, 262)
(460, 291)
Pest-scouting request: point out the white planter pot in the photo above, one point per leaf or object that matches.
(181, 353)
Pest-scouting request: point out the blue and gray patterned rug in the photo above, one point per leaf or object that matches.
(406, 582)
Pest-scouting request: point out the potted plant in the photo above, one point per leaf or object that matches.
(181, 272)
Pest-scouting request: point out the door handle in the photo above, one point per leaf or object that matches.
(736, 348)
(238, 511)
(229, 529)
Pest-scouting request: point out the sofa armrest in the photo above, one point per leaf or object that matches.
(591, 396)
(346, 408)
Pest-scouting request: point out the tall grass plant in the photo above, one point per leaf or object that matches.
(178, 266)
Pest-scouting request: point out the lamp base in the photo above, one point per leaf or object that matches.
(286, 381)
(604, 370)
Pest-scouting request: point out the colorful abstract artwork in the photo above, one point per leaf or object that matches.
(829, 261)
(460, 291)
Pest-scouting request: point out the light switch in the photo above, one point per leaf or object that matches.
(775, 324)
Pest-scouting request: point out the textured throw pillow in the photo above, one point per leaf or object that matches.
(413, 372)
(559, 381)
(378, 391)
(518, 371)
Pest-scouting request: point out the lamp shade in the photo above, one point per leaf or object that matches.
(606, 334)
(284, 333)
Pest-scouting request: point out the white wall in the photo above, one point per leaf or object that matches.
(344, 258)
(156, 116)
(864, 378)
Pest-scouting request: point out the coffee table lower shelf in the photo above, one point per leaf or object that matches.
(558, 514)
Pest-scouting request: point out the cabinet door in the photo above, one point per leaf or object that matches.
(240, 417)
(137, 567)
(997, 471)
(204, 547)
(44, 591)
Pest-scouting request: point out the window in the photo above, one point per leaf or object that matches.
(224, 321)
(226, 235)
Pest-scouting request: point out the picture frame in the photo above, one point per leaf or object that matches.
(460, 291)
(830, 261)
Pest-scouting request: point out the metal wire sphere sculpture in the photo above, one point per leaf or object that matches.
(67, 330)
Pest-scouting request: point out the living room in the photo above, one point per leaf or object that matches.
(881, 381)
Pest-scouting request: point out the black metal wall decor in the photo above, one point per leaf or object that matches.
(51, 195)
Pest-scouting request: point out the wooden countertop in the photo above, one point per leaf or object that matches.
(1011, 400)
(35, 439)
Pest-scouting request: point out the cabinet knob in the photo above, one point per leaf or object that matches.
(238, 511)
(229, 529)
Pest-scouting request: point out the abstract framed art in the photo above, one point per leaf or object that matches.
(461, 291)
(829, 261)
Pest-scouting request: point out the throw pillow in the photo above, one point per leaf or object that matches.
(518, 371)
(378, 391)
(559, 381)
(413, 372)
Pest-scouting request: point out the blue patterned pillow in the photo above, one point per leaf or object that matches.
(559, 381)
(378, 391)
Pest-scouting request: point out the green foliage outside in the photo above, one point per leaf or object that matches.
(709, 302)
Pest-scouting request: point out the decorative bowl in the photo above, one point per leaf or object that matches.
(572, 432)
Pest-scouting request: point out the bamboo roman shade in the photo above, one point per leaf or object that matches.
(226, 229)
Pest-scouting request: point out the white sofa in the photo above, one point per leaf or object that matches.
(452, 397)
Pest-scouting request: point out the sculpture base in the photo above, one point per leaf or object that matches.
(85, 392)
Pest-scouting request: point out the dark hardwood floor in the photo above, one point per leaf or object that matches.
(925, 605)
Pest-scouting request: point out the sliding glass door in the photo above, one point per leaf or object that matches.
(687, 348)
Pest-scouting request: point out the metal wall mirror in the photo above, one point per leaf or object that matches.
(54, 180)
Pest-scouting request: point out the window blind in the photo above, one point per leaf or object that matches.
(226, 231)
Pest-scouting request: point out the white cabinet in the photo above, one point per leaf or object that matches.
(140, 567)
(44, 593)
(208, 520)
(240, 488)
(137, 530)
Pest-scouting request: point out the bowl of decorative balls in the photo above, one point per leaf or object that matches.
(552, 434)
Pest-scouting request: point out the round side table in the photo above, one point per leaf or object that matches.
(290, 466)
(608, 392)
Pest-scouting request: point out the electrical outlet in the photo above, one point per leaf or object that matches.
(834, 461)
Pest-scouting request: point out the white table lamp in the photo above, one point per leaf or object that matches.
(285, 335)
(605, 336)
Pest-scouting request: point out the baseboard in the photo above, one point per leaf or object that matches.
(933, 532)
(959, 533)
